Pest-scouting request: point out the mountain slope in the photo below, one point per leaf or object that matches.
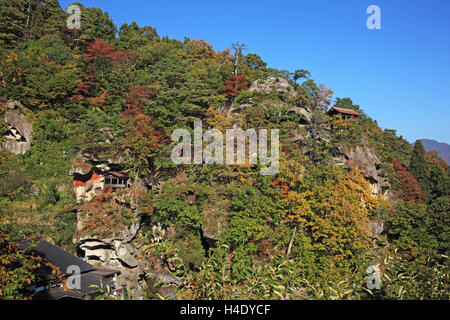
(442, 148)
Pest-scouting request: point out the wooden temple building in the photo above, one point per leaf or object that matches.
(345, 113)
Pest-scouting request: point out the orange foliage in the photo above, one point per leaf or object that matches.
(102, 50)
(136, 98)
(235, 85)
(322, 96)
(199, 49)
(283, 187)
(99, 99)
(103, 216)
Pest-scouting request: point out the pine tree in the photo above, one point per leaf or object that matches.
(438, 182)
(12, 22)
(95, 24)
(419, 167)
(55, 17)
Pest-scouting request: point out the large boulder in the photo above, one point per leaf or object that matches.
(376, 227)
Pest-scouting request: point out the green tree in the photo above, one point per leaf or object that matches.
(95, 24)
(438, 182)
(132, 37)
(12, 22)
(438, 224)
(419, 167)
(346, 103)
(45, 17)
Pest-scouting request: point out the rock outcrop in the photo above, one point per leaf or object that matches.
(367, 161)
(306, 115)
(376, 227)
(278, 84)
(19, 131)
(88, 170)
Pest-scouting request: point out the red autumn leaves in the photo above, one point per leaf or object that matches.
(234, 85)
(408, 188)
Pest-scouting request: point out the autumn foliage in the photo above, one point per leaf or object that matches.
(234, 85)
(103, 216)
(407, 188)
(334, 212)
(137, 96)
(101, 50)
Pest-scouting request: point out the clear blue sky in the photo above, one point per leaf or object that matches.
(399, 75)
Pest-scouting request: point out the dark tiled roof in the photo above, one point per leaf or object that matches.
(89, 275)
(89, 285)
(57, 256)
(89, 279)
(57, 294)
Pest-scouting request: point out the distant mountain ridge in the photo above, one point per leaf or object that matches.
(443, 149)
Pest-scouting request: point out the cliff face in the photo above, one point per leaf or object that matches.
(89, 169)
(18, 133)
(113, 246)
(364, 158)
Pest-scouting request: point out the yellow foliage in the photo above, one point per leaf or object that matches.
(335, 214)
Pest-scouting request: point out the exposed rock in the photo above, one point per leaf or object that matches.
(375, 228)
(306, 115)
(110, 252)
(298, 137)
(214, 219)
(125, 254)
(13, 105)
(95, 250)
(108, 135)
(159, 234)
(34, 190)
(19, 132)
(367, 161)
(280, 85)
(89, 168)
(131, 232)
(97, 254)
(81, 165)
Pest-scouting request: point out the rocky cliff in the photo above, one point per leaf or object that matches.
(18, 133)
(364, 158)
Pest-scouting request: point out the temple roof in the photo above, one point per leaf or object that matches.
(344, 111)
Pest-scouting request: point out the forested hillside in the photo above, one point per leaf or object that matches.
(86, 165)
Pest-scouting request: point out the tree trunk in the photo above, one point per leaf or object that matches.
(291, 243)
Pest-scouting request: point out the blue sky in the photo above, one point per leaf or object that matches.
(399, 75)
